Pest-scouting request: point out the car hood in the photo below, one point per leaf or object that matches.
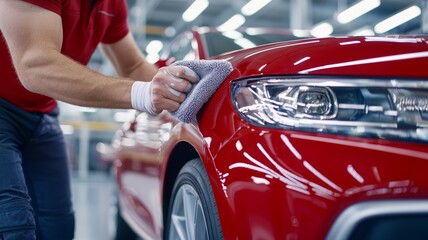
(398, 56)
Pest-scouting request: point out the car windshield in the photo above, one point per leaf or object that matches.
(220, 42)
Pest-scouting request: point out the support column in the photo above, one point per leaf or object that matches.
(341, 5)
(424, 23)
(84, 141)
(300, 14)
(138, 25)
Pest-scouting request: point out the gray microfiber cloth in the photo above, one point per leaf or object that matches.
(211, 73)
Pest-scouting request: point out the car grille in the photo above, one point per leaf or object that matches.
(386, 220)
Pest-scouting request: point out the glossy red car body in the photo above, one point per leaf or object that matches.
(276, 183)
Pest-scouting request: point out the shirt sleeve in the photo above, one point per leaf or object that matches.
(51, 5)
(119, 28)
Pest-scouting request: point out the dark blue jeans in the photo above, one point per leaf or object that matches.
(35, 195)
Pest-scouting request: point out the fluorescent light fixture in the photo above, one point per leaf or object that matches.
(398, 19)
(203, 30)
(197, 7)
(322, 30)
(170, 31)
(300, 33)
(366, 31)
(254, 31)
(152, 58)
(254, 6)
(233, 34)
(233, 23)
(154, 47)
(244, 43)
(357, 10)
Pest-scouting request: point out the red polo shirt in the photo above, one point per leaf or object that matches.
(83, 29)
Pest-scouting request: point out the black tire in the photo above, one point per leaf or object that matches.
(192, 183)
(123, 230)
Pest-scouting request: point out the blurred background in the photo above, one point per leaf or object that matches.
(155, 23)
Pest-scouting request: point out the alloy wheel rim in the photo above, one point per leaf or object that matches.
(188, 217)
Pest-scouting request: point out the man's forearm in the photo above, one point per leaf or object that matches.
(128, 59)
(144, 71)
(55, 75)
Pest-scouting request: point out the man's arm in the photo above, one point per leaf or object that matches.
(128, 59)
(34, 36)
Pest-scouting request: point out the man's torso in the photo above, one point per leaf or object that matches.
(85, 25)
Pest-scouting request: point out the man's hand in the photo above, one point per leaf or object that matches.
(166, 91)
(170, 86)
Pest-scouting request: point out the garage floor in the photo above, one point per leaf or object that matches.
(94, 202)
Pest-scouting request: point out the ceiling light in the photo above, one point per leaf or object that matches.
(357, 10)
(154, 47)
(398, 19)
(254, 6)
(365, 31)
(300, 33)
(233, 23)
(197, 7)
(244, 43)
(152, 58)
(233, 34)
(255, 31)
(322, 30)
(170, 31)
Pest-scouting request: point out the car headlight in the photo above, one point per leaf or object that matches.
(383, 108)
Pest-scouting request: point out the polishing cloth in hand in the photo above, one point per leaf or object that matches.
(211, 73)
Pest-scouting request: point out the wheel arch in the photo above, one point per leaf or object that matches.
(182, 153)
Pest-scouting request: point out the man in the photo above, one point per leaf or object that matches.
(44, 45)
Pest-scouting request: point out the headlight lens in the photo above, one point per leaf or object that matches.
(396, 109)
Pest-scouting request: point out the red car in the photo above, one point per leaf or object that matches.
(315, 138)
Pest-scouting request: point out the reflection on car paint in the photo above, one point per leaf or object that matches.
(406, 56)
(366, 145)
(301, 60)
(292, 181)
(281, 46)
(349, 43)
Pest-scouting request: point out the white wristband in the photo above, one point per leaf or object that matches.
(141, 98)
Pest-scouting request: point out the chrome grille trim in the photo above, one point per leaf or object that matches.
(348, 220)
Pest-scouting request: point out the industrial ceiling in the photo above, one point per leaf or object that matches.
(163, 18)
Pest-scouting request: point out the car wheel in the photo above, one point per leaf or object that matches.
(193, 212)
